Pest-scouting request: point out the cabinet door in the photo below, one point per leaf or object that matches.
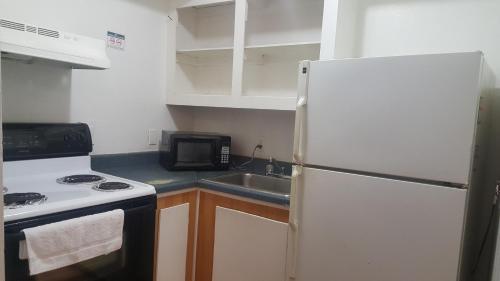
(172, 243)
(205, 245)
(248, 247)
(175, 237)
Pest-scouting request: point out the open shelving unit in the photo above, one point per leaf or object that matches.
(272, 70)
(279, 34)
(242, 53)
(204, 72)
(277, 22)
(204, 50)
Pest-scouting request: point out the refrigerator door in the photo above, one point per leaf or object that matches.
(409, 116)
(355, 228)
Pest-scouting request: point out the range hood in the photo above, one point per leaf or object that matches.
(30, 43)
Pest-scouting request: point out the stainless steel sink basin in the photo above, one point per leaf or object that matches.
(273, 185)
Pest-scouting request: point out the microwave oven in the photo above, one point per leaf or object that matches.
(190, 151)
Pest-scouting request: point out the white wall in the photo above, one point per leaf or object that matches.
(121, 103)
(249, 127)
(396, 27)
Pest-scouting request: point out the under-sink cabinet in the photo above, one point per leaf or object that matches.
(248, 247)
(205, 236)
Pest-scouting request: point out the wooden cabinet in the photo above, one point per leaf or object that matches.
(242, 53)
(175, 236)
(265, 217)
(235, 239)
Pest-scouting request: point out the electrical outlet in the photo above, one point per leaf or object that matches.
(153, 136)
(260, 148)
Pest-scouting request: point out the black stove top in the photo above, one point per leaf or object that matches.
(21, 199)
(112, 186)
(78, 179)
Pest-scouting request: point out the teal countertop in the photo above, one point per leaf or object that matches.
(145, 167)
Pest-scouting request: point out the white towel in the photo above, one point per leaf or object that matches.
(64, 243)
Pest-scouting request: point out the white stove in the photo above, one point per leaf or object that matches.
(37, 157)
(41, 175)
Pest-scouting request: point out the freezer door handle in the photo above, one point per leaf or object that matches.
(293, 225)
(298, 140)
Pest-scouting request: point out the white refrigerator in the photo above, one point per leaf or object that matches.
(385, 152)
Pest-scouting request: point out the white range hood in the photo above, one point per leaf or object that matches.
(29, 43)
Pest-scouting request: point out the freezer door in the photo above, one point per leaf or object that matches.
(360, 228)
(409, 116)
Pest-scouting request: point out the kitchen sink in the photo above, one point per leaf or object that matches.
(275, 185)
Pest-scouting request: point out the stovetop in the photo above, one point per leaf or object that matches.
(81, 178)
(41, 176)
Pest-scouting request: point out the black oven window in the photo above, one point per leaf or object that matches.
(194, 152)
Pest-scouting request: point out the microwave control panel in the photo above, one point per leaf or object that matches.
(224, 155)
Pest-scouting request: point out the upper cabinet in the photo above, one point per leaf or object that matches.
(278, 35)
(204, 50)
(283, 22)
(241, 53)
(202, 28)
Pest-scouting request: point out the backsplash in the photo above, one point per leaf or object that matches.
(258, 166)
(247, 128)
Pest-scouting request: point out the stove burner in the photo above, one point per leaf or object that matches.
(112, 186)
(14, 200)
(77, 179)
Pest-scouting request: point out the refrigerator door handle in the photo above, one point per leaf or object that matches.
(298, 139)
(293, 225)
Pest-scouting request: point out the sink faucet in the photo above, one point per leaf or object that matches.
(243, 166)
(270, 169)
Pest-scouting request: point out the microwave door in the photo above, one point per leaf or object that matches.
(195, 153)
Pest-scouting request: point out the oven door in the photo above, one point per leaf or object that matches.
(133, 262)
(196, 154)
